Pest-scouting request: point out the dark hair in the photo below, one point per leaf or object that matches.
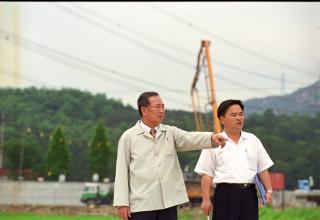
(143, 100)
(223, 107)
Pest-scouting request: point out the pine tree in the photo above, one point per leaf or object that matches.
(100, 156)
(58, 156)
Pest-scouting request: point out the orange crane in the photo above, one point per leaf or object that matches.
(204, 60)
(193, 185)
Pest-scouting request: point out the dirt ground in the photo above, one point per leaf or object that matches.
(59, 210)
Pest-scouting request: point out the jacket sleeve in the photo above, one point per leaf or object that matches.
(186, 141)
(121, 184)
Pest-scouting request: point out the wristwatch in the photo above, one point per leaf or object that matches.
(269, 191)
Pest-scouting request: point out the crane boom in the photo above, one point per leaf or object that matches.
(204, 51)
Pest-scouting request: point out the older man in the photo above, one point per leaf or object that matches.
(149, 183)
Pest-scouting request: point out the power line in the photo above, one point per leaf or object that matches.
(33, 80)
(79, 64)
(178, 49)
(137, 33)
(229, 89)
(10, 73)
(90, 21)
(74, 62)
(65, 58)
(228, 42)
(122, 36)
(48, 54)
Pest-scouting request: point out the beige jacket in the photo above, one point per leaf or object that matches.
(148, 174)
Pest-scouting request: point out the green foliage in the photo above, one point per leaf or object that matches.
(23, 153)
(292, 141)
(101, 157)
(77, 111)
(58, 156)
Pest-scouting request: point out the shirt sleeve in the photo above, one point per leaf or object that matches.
(264, 160)
(121, 183)
(206, 163)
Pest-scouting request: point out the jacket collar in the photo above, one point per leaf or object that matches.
(140, 129)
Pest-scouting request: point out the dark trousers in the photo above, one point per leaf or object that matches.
(162, 214)
(235, 203)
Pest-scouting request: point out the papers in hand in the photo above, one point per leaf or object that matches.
(260, 189)
(210, 214)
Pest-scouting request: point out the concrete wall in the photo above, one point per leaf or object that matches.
(296, 198)
(43, 193)
(68, 194)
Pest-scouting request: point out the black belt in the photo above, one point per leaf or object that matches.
(239, 185)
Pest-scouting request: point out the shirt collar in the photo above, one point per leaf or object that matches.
(243, 135)
(146, 127)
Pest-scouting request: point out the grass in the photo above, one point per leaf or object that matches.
(290, 214)
(195, 214)
(265, 214)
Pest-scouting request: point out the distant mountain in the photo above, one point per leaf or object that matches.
(303, 101)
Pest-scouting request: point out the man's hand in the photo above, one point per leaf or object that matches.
(206, 206)
(218, 139)
(124, 212)
(268, 197)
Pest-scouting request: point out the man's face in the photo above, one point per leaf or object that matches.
(234, 118)
(153, 114)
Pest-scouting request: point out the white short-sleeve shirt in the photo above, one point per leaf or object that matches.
(235, 163)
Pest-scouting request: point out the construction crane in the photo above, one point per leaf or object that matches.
(204, 63)
(193, 185)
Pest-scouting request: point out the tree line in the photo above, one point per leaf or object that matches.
(72, 132)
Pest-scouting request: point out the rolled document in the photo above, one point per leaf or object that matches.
(260, 189)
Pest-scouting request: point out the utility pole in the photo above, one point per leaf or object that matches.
(9, 55)
(25, 132)
(1, 140)
(21, 156)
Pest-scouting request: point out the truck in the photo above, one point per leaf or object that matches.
(93, 196)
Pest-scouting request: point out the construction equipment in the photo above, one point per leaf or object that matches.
(204, 60)
(93, 196)
(193, 184)
(194, 191)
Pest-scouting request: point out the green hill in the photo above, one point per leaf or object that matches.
(42, 110)
(304, 101)
(29, 116)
